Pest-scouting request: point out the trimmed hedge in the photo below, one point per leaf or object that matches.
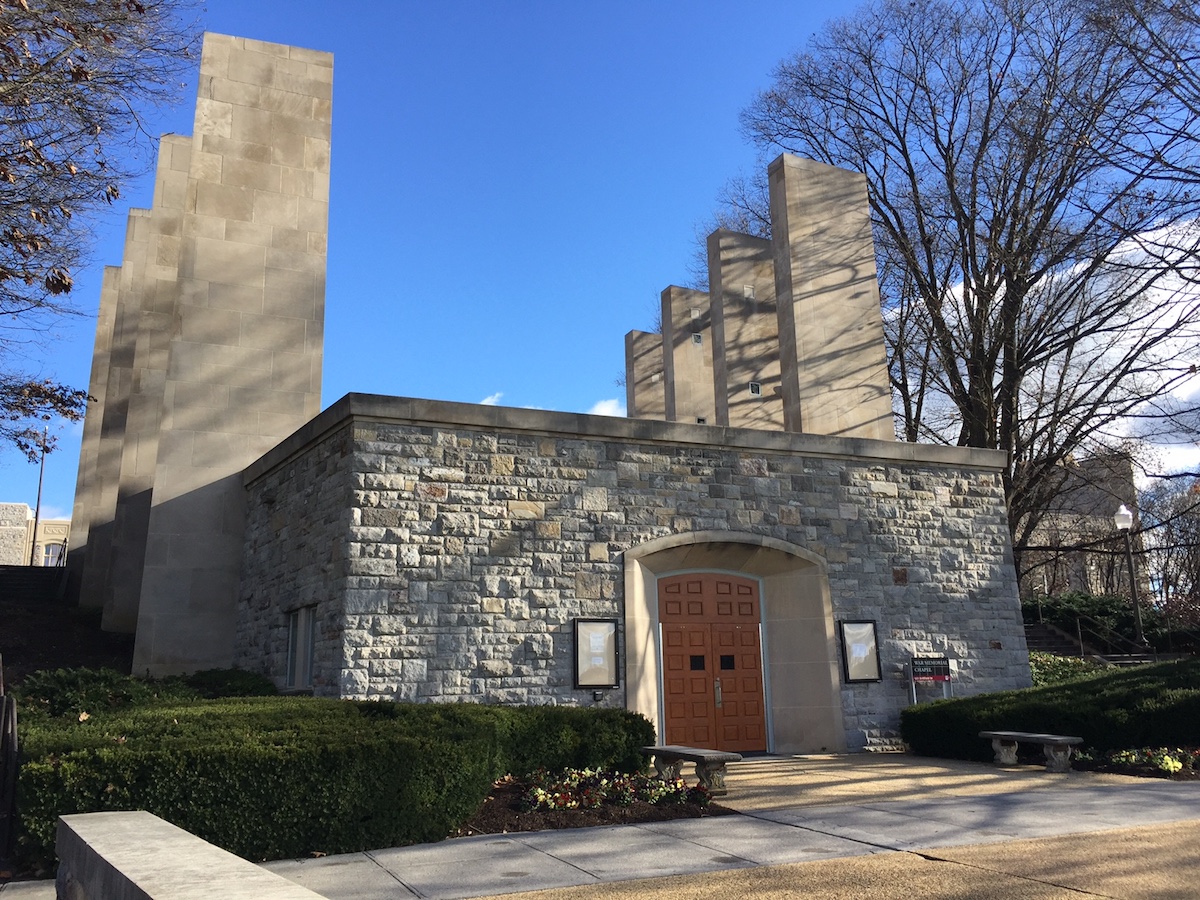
(1156, 705)
(277, 777)
(59, 692)
(1050, 668)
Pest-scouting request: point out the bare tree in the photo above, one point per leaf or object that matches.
(1170, 514)
(1034, 196)
(75, 78)
(743, 206)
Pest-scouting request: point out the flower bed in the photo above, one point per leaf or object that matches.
(580, 798)
(1177, 763)
(592, 788)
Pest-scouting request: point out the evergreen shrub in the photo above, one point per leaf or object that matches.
(277, 777)
(1154, 705)
(1050, 668)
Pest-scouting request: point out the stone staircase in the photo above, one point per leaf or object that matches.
(33, 585)
(1048, 639)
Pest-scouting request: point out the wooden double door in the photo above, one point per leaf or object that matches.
(712, 662)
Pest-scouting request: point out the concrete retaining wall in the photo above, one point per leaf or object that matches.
(138, 856)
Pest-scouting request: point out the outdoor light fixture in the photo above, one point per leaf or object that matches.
(1123, 519)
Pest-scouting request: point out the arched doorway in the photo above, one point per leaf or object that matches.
(801, 677)
(712, 661)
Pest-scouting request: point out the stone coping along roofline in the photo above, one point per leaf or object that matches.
(413, 411)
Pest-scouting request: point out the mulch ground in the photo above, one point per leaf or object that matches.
(501, 813)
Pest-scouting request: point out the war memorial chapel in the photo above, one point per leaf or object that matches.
(751, 559)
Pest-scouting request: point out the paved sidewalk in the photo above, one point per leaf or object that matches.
(866, 826)
(882, 818)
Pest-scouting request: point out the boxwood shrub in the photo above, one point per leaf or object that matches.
(277, 777)
(1156, 705)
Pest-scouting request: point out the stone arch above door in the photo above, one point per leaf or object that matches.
(802, 680)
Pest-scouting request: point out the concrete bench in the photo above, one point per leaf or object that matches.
(138, 856)
(1056, 747)
(710, 764)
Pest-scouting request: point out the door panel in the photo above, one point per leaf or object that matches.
(712, 662)
(688, 689)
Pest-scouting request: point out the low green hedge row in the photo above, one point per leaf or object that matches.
(1156, 705)
(60, 692)
(264, 802)
(1050, 668)
(278, 777)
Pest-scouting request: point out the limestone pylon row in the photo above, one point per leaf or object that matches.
(789, 336)
(208, 350)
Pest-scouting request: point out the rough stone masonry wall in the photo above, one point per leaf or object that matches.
(453, 559)
(14, 534)
(295, 556)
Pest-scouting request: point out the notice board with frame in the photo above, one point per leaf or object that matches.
(597, 660)
(860, 651)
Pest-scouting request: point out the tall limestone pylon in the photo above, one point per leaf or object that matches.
(741, 288)
(644, 375)
(209, 350)
(687, 356)
(832, 350)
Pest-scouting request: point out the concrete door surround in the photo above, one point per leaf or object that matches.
(801, 679)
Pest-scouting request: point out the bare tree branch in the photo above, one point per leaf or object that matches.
(75, 76)
(1034, 191)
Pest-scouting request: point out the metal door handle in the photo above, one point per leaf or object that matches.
(717, 690)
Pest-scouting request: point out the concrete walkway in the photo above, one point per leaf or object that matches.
(869, 826)
(879, 821)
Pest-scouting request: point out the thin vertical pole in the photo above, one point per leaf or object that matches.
(1139, 636)
(37, 510)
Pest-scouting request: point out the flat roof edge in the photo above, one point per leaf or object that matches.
(413, 411)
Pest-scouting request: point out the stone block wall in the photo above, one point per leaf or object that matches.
(14, 534)
(448, 547)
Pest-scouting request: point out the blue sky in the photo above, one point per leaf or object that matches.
(513, 184)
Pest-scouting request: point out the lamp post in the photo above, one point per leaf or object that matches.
(1123, 519)
(37, 510)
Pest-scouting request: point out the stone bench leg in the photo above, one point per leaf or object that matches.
(712, 777)
(1058, 757)
(1006, 751)
(667, 769)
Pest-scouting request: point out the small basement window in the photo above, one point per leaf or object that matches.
(700, 420)
(755, 389)
(301, 642)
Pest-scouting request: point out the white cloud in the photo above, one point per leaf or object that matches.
(492, 400)
(607, 408)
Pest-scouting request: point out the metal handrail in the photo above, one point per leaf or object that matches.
(1111, 639)
(9, 766)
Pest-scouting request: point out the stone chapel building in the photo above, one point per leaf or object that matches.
(750, 559)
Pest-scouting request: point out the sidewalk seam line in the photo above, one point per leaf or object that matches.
(370, 854)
